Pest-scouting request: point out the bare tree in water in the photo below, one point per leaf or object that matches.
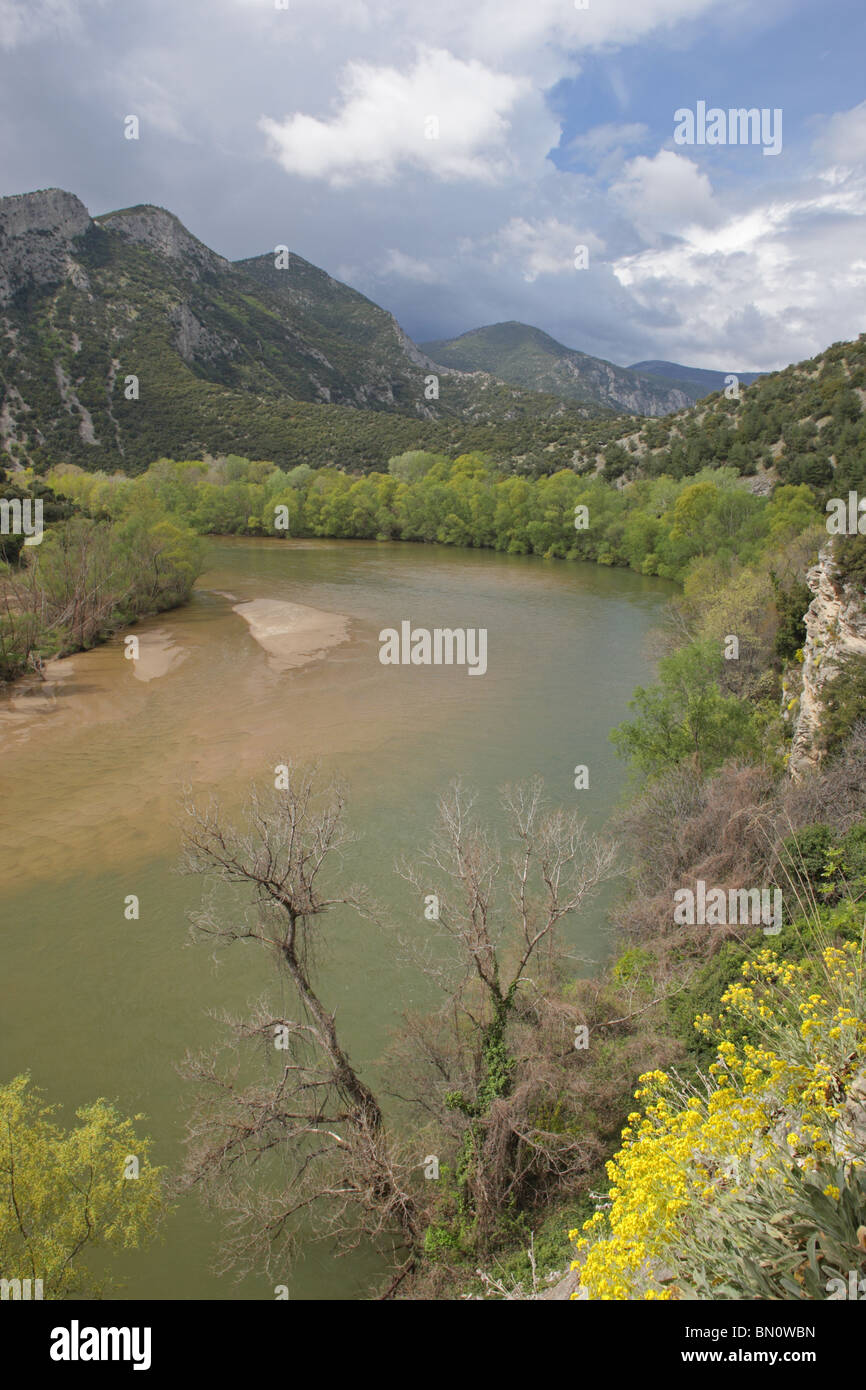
(481, 1076)
(494, 1066)
(307, 1146)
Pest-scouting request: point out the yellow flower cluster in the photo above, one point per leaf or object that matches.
(785, 1054)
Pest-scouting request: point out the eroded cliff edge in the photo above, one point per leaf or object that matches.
(835, 630)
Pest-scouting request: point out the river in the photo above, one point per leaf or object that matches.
(94, 762)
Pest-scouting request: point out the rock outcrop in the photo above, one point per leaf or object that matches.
(162, 232)
(835, 629)
(37, 232)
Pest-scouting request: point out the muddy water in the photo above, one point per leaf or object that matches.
(93, 764)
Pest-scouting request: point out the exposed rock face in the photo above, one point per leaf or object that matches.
(412, 351)
(232, 345)
(36, 238)
(162, 232)
(194, 342)
(835, 628)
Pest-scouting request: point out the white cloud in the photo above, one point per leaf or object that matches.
(27, 21)
(665, 194)
(409, 268)
(443, 115)
(547, 247)
(842, 140)
(604, 139)
(541, 31)
(766, 284)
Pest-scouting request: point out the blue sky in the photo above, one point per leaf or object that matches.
(308, 126)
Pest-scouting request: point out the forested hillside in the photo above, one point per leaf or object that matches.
(802, 425)
(524, 356)
(127, 338)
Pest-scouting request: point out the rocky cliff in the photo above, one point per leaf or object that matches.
(126, 338)
(835, 628)
(37, 235)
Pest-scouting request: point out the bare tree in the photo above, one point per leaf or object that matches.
(483, 1073)
(496, 951)
(311, 1138)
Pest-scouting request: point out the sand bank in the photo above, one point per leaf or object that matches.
(290, 633)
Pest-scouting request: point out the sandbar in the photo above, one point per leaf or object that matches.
(291, 633)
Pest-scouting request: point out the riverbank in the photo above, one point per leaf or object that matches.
(89, 578)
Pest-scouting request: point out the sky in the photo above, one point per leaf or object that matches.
(447, 158)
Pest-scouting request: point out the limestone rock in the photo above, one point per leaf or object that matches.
(37, 234)
(835, 628)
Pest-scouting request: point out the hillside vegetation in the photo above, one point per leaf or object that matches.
(804, 424)
(285, 363)
(527, 357)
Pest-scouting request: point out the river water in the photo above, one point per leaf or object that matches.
(93, 768)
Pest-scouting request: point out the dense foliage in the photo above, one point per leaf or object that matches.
(805, 424)
(69, 1195)
(658, 526)
(90, 576)
(707, 1175)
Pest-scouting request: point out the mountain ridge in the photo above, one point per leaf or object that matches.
(528, 357)
(703, 380)
(224, 354)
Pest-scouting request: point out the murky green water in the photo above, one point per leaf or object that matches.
(95, 1005)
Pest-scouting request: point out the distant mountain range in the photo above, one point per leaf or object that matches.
(128, 339)
(228, 356)
(527, 357)
(698, 380)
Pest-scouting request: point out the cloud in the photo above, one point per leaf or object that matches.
(152, 101)
(664, 195)
(767, 283)
(409, 268)
(842, 140)
(27, 21)
(605, 139)
(443, 115)
(547, 247)
(539, 33)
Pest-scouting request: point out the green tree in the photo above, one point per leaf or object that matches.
(412, 466)
(68, 1193)
(844, 700)
(686, 717)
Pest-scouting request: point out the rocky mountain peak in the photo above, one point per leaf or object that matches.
(162, 232)
(36, 235)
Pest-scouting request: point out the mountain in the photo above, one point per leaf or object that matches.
(524, 356)
(805, 424)
(287, 364)
(696, 381)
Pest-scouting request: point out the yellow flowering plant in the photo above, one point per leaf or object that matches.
(765, 1131)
